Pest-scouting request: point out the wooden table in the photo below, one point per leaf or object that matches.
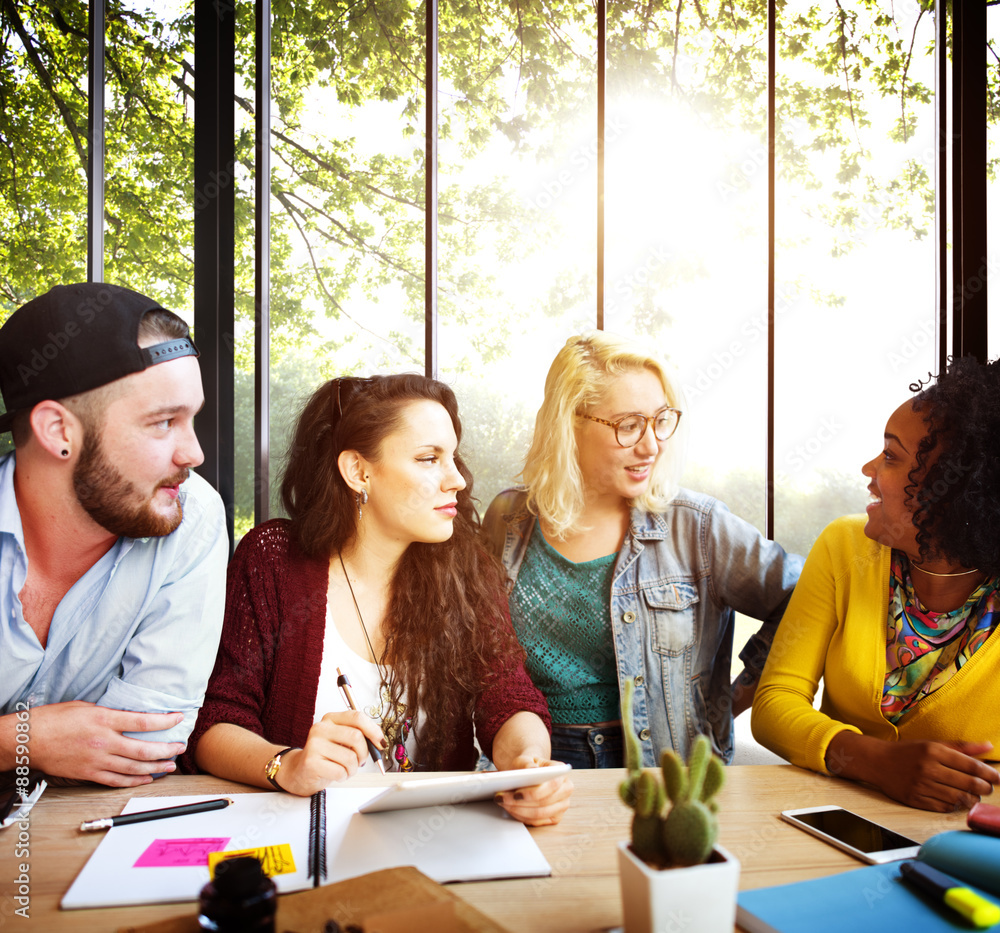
(582, 894)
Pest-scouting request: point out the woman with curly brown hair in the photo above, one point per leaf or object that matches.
(378, 572)
(897, 612)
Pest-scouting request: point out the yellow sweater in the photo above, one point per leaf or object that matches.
(835, 628)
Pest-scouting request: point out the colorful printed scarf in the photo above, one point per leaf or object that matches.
(925, 649)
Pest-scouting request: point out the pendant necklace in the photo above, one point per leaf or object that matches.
(395, 727)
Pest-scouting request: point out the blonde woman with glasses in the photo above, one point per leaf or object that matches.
(616, 573)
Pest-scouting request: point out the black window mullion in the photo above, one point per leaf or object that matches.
(602, 60)
(214, 238)
(431, 197)
(969, 309)
(772, 55)
(941, 197)
(262, 267)
(95, 143)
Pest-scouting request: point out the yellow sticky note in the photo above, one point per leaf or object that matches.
(276, 860)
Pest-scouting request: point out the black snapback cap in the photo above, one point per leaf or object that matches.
(75, 338)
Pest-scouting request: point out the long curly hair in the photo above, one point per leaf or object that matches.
(445, 628)
(954, 486)
(578, 378)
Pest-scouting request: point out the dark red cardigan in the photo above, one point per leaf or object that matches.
(267, 670)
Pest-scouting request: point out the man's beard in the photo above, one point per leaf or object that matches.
(113, 502)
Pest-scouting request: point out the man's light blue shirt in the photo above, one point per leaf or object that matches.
(138, 631)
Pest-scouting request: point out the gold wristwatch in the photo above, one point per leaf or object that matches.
(272, 767)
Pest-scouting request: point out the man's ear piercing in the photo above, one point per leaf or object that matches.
(65, 453)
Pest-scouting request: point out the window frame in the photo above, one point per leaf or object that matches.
(960, 118)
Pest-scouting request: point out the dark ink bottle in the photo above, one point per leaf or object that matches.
(240, 899)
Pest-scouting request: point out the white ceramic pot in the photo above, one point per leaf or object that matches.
(696, 899)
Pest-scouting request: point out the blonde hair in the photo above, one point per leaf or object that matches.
(578, 378)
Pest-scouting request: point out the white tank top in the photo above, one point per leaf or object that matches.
(365, 687)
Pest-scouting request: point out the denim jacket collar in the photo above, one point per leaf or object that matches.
(678, 576)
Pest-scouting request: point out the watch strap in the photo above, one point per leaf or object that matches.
(272, 767)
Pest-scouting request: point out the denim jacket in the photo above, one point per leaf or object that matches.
(677, 580)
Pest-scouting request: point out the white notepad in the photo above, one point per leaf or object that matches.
(465, 842)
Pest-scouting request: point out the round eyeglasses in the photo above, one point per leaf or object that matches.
(630, 428)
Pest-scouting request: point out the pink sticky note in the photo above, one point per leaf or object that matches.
(173, 853)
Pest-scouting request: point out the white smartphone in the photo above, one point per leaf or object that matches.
(855, 834)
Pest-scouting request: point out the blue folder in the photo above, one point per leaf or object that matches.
(875, 899)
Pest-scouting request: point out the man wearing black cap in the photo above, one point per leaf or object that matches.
(112, 553)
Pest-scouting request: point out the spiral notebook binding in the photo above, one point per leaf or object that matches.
(317, 838)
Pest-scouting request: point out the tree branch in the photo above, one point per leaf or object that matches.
(119, 72)
(392, 46)
(292, 213)
(322, 163)
(11, 8)
(902, 80)
(677, 40)
(358, 241)
(318, 160)
(841, 25)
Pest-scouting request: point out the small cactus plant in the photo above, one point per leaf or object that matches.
(687, 832)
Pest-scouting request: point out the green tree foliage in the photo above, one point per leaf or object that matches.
(348, 205)
(354, 217)
(43, 130)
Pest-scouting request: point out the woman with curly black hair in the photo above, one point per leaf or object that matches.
(896, 612)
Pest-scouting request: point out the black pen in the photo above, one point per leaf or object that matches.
(345, 688)
(125, 818)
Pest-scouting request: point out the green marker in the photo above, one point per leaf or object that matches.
(963, 900)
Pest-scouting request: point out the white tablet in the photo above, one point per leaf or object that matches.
(460, 788)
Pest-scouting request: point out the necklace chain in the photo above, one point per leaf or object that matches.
(931, 573)
(395, 723)
(357, 609)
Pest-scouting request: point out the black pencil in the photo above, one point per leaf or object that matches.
(123, 819)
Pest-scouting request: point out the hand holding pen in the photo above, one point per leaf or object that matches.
(345, 688)
(332, 751)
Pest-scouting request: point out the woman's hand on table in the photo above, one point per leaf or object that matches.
(541, 805)
(938, 776)
(334, 750)
(941, 776)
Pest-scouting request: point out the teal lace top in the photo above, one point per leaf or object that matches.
(560, 613)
